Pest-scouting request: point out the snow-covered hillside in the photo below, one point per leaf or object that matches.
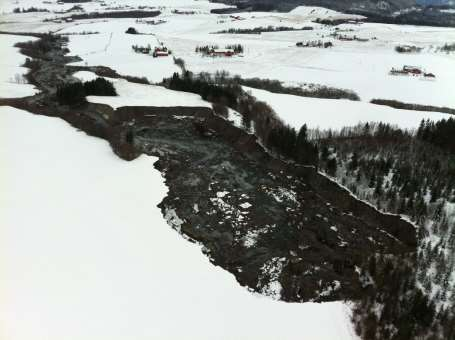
(86, 254)
(321, 13)
(12, 81)
(336, 114)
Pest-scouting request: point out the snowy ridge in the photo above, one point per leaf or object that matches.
(310, 12)
(338, 113)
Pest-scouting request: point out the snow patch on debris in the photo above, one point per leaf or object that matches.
(221, 194)
(281, 194)
(251, 237)
(269, 283)
(231, 213)
(172, 219)
(334, 286)
(196, 208)
(245, 205)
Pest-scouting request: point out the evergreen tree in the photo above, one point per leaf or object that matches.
(332, 166)
(378, 187)
(71, 94)
(305, 151)
(354, 161)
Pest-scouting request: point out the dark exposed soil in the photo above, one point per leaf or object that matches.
(260, 218)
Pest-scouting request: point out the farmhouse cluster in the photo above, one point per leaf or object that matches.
(315, 43)
(344, 37)
(215, 51)
(408, 70)
(183, 12)
(160, 51)
(150, 22)
(236, 17)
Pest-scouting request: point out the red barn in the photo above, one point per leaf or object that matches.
(223, 52)
(161, 52)
(412, 69)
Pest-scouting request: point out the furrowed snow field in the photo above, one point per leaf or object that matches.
(86, 254)
(336, 114)
(12, 81)
(132, 94)
(362, 67)
(112, 48)
(359, 66)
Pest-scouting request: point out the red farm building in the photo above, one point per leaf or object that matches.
(222, 52)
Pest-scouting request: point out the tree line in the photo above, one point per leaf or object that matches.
(259, 30)
(29, 10)
(438, 133)
(207, 49)
(447, 48)
(39, 48)
(75, 93)
(277, 136)
(314, 91)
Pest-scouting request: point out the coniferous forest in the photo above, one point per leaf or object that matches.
(411, 173)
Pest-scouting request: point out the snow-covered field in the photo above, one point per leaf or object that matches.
(359, 66)
(132, 94)
(336, 114)
(12, 81)
(86, 254)
(112, 48)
